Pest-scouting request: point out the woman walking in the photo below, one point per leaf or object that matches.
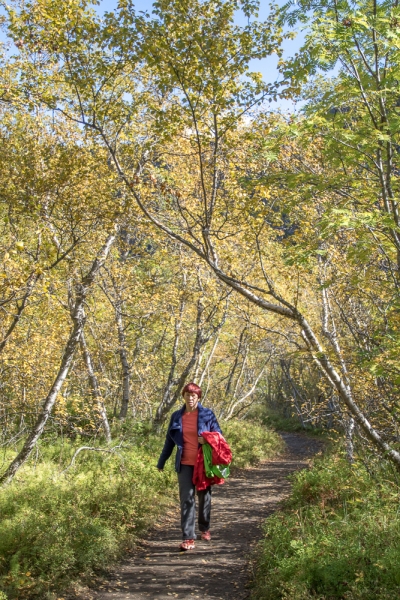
(185, 432)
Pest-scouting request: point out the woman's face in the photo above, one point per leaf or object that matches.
(191, 400)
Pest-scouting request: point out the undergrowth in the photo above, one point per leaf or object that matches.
(250, 442)
(59, 527)
(282, 420)
(337, 537)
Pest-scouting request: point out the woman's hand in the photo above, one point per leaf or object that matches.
(201, 440)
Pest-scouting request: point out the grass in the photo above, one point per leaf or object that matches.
(56, 527)
(276, 419)
(59, 527)
(337, 538)
(250, 442)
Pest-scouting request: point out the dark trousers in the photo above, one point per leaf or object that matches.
(188, 504)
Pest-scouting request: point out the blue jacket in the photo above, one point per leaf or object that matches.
(206, 421)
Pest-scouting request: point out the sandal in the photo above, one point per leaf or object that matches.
(205, 535)
(187, 545)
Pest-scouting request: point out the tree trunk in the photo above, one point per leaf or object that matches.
(295, 393)
(202, 338)
(208, 254)
(169, 401)
(344, 392)
(30, 286)
(235, 362)
(236, 403)
(210, 356)
(123, 356)
(166, 399)
(96, 393)
(349, 427)
(78, 318)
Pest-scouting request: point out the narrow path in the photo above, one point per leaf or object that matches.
(217, 569)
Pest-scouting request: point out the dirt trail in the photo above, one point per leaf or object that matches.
(217, 569)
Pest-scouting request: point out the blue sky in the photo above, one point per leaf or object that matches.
(266, 66)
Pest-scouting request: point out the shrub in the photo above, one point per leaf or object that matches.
(337, 538)
(250, 442)
(57, 527)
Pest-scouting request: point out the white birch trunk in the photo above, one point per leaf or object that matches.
(78, 318)
(95, 388)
